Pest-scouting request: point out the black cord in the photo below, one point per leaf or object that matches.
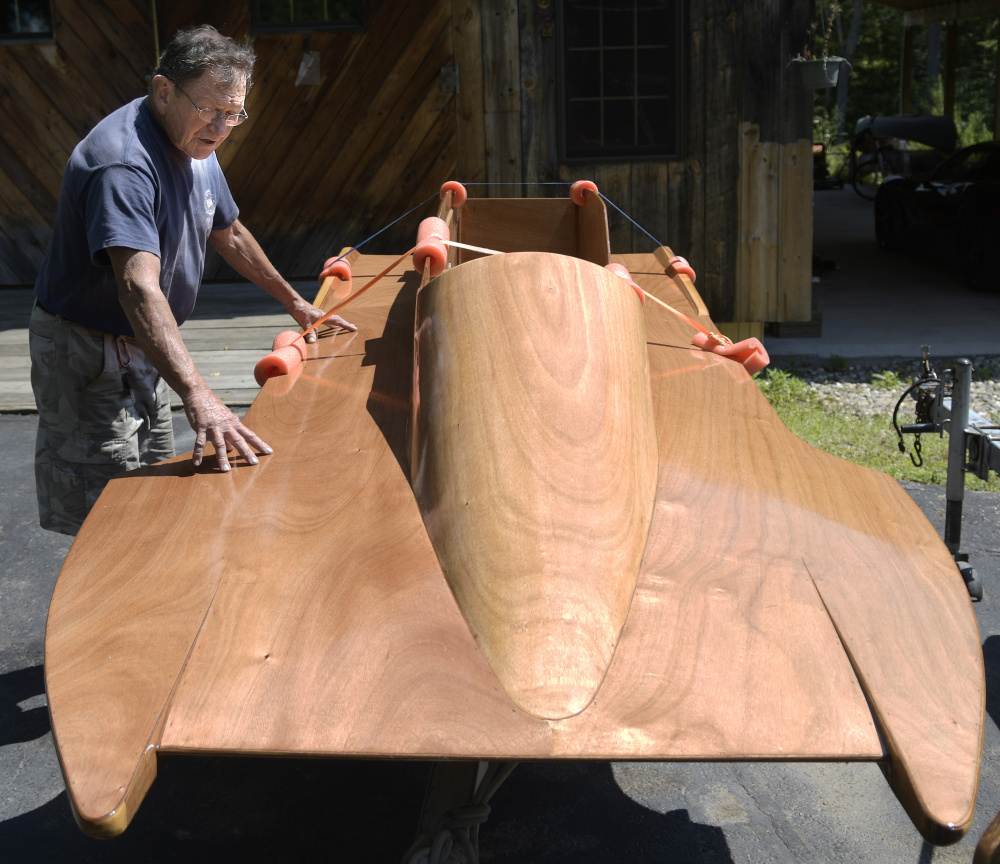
(917, 459)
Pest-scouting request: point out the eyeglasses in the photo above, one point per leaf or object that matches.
(211, 117)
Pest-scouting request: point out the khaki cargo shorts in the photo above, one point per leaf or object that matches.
(102, 409)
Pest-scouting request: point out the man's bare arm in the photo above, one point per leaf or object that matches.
(138, 275)
(243, 253)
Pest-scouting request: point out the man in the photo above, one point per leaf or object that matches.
(141, 196)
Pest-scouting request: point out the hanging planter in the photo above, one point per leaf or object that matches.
(820, 72)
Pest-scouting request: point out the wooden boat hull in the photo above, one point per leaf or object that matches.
(534, 464)
(787, 604)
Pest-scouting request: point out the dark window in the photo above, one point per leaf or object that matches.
(620, 80)
(26, 21)
(302, 15)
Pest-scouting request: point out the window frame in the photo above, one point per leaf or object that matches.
(630, 153)
(35, 38)
(309, 26)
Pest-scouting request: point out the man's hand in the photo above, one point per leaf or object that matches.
(214, 423)
(156, 331)
(305, 315)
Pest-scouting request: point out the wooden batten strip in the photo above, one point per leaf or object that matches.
(795, 230)
(470, 122)
(757, 279)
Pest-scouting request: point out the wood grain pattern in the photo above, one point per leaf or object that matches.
(795, 233)
(313, 165)
(877, 588)
(615, 181)
(99, 627)
(539, 75)
(650, 194)
(512, 225)
(592, 243)
(781, 593)
(49, 100)
(757, 254)
(664, 255)
(845, 534)
(501, 84)
(536, 462)
(363, 620)
(716, 258)
(535, 224)
(501, 98)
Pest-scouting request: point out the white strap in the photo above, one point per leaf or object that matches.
(472, 248)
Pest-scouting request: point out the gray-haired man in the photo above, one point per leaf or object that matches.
(141, 197)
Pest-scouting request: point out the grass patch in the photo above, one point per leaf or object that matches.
(871, 442)
(889, 380)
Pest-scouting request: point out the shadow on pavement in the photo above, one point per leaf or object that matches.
(991, 657)
(19, 724)
(211, 809)
(577, 813)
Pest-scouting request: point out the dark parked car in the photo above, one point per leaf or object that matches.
(955, 209)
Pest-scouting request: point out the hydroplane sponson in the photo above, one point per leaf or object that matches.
(518, 515)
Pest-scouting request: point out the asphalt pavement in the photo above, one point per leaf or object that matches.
(257, 810)
(264, 810)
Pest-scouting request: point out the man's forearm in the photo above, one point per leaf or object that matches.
(153, 321)
(156, 330)
(159, 336)
(243, 253)
(238, 247)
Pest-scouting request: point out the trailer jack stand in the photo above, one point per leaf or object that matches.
(973, 446)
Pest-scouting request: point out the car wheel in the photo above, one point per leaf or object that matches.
(889, 223)
(978, 255)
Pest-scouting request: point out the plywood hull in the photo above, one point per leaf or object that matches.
(534, 464)
(787, 605)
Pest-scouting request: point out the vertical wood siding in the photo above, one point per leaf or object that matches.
(317, 168)
(737, 204)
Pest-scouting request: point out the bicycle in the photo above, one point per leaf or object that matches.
(872, 159)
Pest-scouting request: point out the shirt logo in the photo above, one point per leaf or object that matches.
(209, 202)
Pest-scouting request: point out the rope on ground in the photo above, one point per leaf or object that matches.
(456, 836)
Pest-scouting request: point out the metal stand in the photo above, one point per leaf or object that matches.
(956, 426)
(973, 446)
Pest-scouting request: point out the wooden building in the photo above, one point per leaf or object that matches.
(476, 90)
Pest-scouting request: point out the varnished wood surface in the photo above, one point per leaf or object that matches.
(534, 224)
(514, 224)
(298, 606)
(536, 463)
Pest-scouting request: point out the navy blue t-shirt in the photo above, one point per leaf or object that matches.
(126, 184)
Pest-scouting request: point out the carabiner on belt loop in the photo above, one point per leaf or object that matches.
(124, 362)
